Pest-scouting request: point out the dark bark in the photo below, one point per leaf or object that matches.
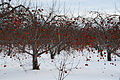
(23, 48)
(101, 54)
(109, 56)
(9, 51)
(52, 56)
(35, 63)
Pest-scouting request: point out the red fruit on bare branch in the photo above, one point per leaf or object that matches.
(27, 33)
(5, 65)
(86, 64)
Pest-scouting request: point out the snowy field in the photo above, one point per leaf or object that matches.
(97, 67)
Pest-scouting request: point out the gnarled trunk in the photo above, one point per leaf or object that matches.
(109, 56)
(35, 63)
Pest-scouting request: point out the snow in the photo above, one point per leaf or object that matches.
(96, 70)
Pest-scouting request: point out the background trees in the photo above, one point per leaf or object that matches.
(23, 30)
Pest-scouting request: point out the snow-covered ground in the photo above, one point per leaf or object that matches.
(97, 69)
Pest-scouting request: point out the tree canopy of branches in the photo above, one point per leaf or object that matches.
(24, 29)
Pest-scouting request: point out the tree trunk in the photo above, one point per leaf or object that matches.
(23, 48)
(35, 63)
(52, 55)
(101, 54)
(9, 51)
(109, 56)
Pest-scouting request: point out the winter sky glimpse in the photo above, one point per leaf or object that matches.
(80, 5)
(86, 5)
